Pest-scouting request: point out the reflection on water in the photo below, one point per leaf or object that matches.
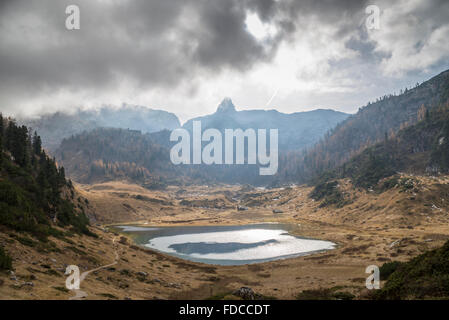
(205, 248)
(227, 245)
(136, 229)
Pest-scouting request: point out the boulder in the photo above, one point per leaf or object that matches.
(245, 293)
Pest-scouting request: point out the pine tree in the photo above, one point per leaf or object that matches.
(37, 144)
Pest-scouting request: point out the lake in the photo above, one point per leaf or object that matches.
(226, 245)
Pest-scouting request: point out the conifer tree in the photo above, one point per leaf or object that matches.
(37, 144)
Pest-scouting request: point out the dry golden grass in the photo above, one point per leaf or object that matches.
(373, 229)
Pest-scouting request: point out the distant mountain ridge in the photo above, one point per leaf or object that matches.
(296, 130)
(310, 143)
(57, 126)
(106, 154)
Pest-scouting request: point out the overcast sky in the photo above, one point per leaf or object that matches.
(185, 56)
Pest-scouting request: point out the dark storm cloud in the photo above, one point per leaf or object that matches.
(265, 8)
(143, 41)
(223, 40)
(114, 42)
(164, 43)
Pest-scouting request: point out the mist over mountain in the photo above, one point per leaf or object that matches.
(57, 126)
(310, 143)
(107, 154)
(296, 130)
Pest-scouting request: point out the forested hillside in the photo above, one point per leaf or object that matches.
(35, 196)
(114, 154)
(422, 148)
(371, 124)
(119, 154)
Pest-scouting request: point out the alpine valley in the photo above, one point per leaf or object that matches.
(97, 189)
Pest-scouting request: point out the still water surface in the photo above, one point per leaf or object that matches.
(226, 245)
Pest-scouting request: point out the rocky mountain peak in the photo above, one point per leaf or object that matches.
(226, 106)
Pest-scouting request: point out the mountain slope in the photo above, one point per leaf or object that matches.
(55, 127)
(296, 130)
(108, 154)
(422, 148)
(35, 196)
(113, 154)
(371, 124)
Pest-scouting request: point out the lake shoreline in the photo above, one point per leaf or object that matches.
(374, 229)
(136, 233)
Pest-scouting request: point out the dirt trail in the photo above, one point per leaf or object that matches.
(80, 294)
